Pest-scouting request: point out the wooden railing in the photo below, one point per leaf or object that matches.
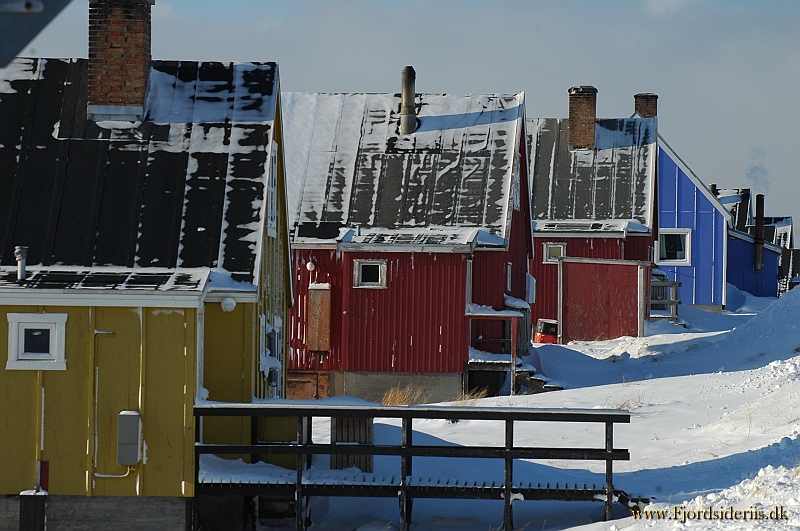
(672, 302)
(406, 486)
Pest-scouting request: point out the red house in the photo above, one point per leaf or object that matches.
(593, 185)
(411, 241)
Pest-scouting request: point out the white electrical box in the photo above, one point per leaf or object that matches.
(129, 438)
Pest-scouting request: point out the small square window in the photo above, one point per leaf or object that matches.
(36, 341)
(369, 274)
(554, 251)
(675, 247)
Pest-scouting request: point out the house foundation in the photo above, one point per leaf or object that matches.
(96, 513)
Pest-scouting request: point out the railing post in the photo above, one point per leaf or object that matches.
(298, 488)
(609, 483)
(406, 469)
(253, 437)
(513, 356)
(508, 511)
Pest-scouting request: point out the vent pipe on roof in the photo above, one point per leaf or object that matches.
(758, 259)
(21, 254)
(408, 111)
(582, 117)
(646, 104)
(743, 210)
(119, 58)
(713, 189)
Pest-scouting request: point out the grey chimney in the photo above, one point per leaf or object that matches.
(408, 111)
(21, 254)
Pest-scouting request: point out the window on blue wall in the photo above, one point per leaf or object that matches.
(675, 247)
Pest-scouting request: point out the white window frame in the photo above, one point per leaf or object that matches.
(55, 360)
(546, 246)
(515, 184)
(357, 283)
(687, 260)
(272, 194)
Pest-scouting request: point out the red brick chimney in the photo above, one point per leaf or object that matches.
(582, 117)
(646, 104)
(119, 58)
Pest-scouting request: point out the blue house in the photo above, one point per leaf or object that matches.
(693, 232)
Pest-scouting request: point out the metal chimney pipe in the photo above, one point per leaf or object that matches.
(713, 189)
(408, 111)
(21, 254)
(758, 260)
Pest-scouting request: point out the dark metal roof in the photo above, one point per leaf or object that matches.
(616, 180)
(348, 165)
(185, 189)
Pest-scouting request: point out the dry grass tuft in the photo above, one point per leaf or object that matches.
(403, 396)
(469, 399)
(627, 402)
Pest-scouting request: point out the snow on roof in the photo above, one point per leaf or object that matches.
(580, 225)
(348, 164)
(106, 278)
(616, 180)
(186, 188)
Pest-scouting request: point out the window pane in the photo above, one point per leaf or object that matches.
(554, 251)
(37, 341)
(370, 273)
(673, 247)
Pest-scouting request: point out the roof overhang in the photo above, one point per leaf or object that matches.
(79, 287)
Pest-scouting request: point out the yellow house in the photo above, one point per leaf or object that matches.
(145, 267)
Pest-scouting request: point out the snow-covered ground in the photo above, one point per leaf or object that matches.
(715, 427)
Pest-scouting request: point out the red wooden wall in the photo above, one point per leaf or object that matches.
(603, 301)
(634, 247)
(416, 324)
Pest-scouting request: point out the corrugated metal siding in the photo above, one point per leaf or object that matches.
(639, 247)
(327, 270)
(416, 324)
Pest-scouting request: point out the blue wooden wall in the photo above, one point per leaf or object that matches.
(762, 283)
(683, 205)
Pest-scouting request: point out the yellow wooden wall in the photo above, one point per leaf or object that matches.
(275, 285)
(229, 347)
(147, 365)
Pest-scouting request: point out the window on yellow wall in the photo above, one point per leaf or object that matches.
(36, 341)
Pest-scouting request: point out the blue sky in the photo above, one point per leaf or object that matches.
(726, 71)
